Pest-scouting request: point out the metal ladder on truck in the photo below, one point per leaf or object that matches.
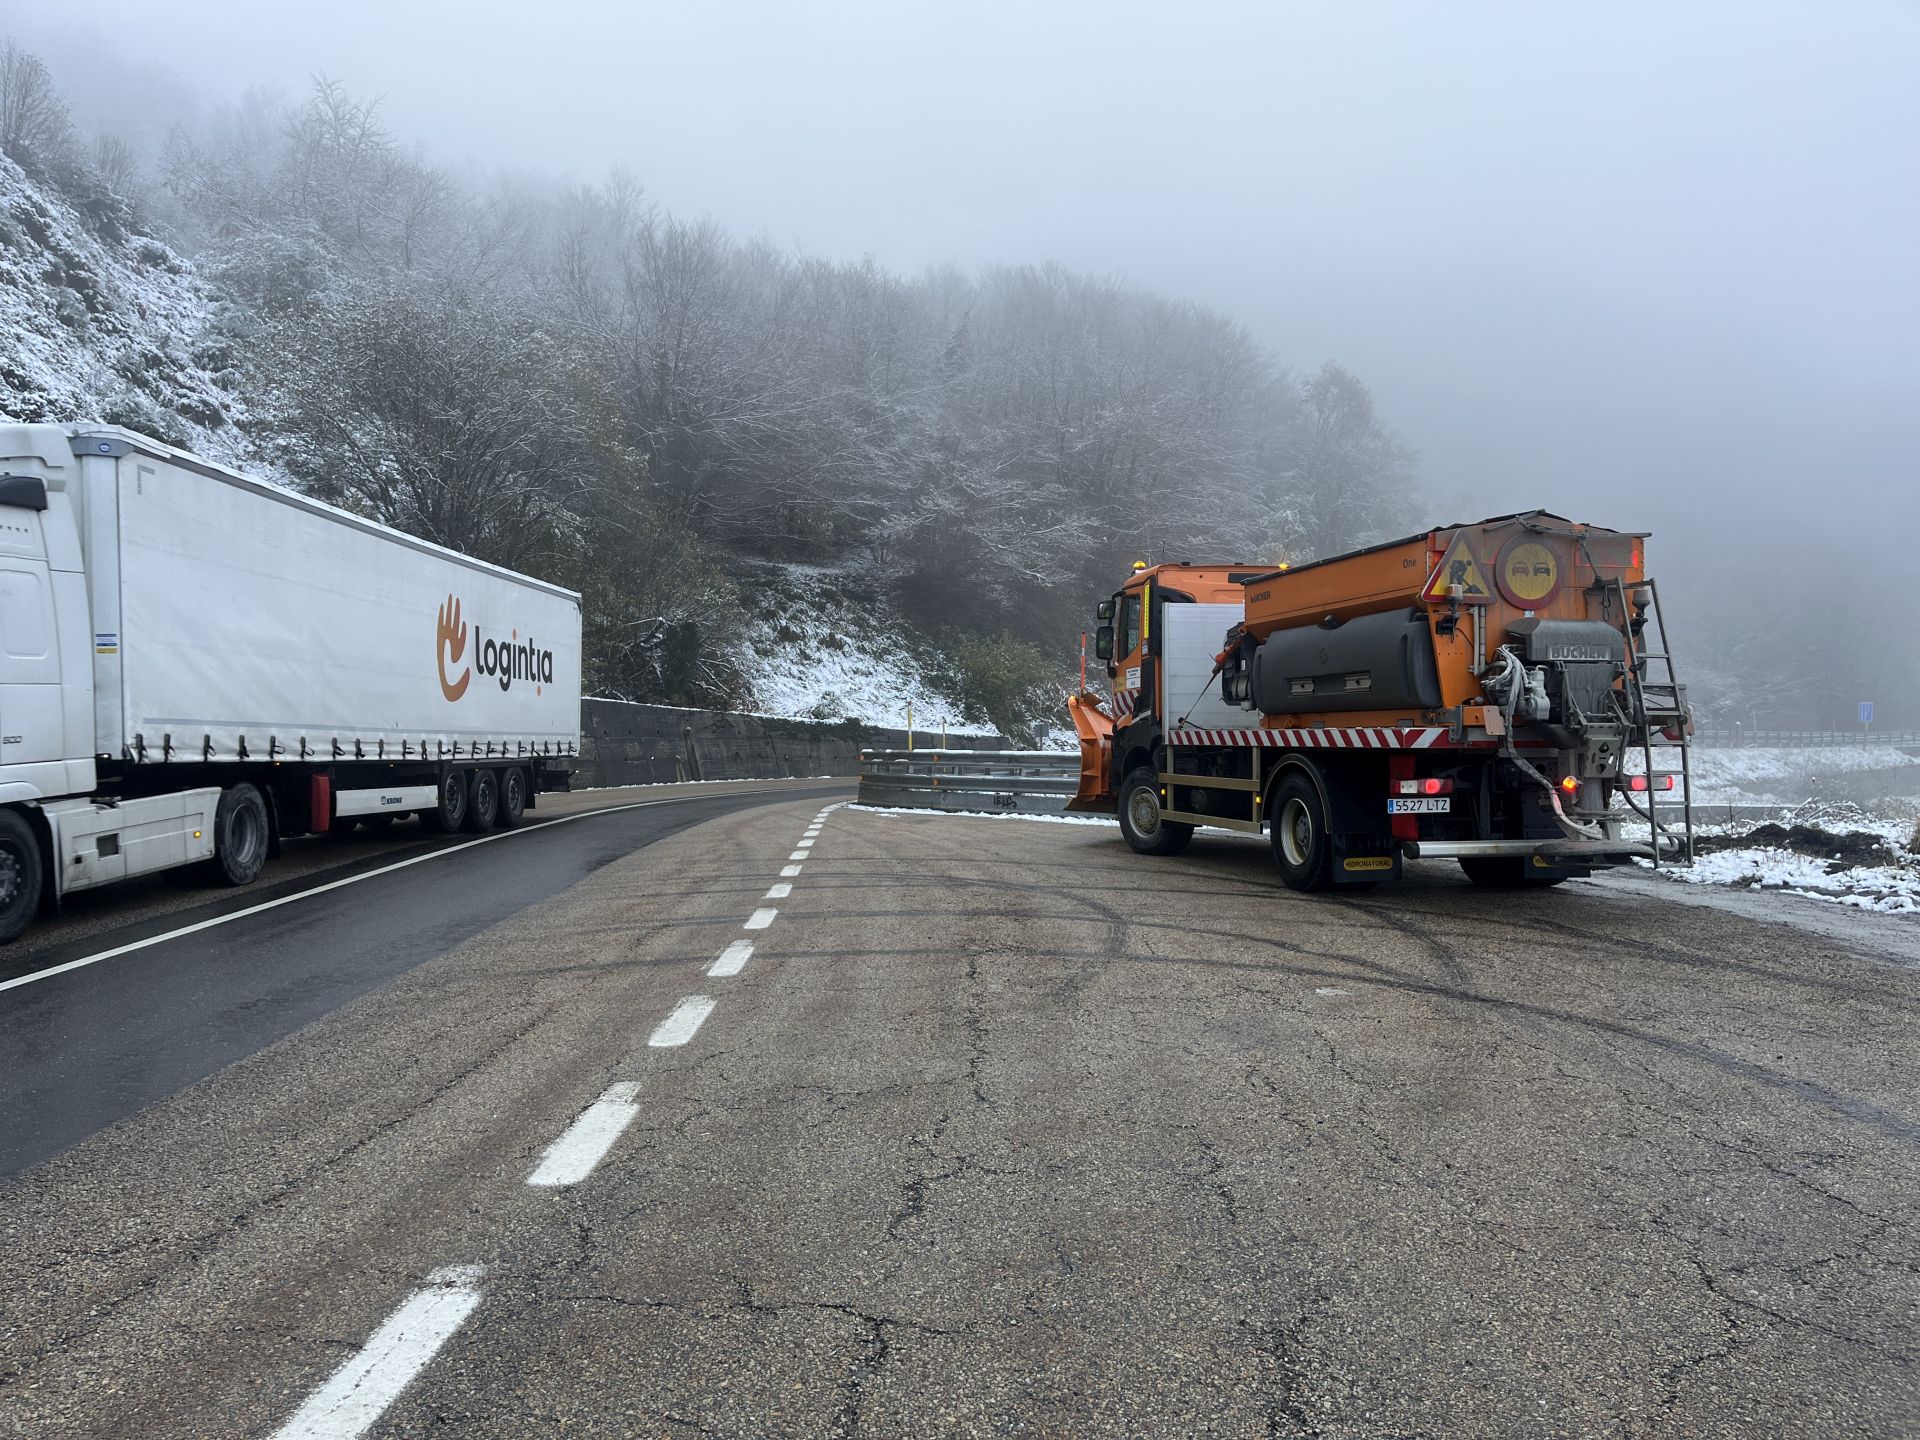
(1657, 707)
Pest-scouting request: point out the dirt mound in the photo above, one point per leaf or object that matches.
(1842, 849)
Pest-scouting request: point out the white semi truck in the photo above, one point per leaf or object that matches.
(194, 664)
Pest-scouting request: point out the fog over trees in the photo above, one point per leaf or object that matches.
(584, 381)
(574, 381)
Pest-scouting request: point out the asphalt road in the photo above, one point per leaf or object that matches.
(1000, 1129)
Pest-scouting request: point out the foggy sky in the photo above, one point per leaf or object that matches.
(1643, 264)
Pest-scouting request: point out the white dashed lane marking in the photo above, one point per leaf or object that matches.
(798, 855)
(780, 891)
(399, 1350)
(571, 1158)
(789, 870)
(732, 959)
(683, 1024)
(760, 919)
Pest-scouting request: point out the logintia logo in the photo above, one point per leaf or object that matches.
(505, 660)
(449, 646)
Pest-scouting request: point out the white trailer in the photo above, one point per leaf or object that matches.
(194, 663)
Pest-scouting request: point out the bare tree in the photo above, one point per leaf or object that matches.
(116, 164)
(35, 128)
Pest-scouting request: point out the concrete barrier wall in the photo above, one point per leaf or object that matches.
(626, 744)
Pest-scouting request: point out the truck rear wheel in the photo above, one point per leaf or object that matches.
(1297, 826)
(1504, 872)
(20, 875)
(483, 801)
(450, 813)
(240, 835)
(513, 797)
(1140, 820)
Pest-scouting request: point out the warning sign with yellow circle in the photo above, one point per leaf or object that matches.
(1527, 572)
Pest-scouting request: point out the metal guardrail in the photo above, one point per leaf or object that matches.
(1718, 739)
(1040, 782)
(1011, 782)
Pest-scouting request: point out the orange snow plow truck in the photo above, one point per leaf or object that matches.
(1483, 693)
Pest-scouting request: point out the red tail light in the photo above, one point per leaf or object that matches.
(1431, 785)
(1639, 784)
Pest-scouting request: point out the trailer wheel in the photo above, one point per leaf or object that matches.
(240, 835)
(450, 813)
(483, 802)
(1140, 821)
(1504, 872)
(513, 797)
(1297, 826)
(20, 875)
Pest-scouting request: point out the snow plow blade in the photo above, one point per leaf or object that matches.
(1095, 728)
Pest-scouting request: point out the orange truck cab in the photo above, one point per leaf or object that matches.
(1476, 692)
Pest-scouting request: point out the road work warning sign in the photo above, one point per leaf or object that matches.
(1459, 567)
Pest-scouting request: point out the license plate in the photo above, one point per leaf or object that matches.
(1420, 805)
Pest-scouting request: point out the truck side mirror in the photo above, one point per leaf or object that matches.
(1104, 610)
(1103, 641)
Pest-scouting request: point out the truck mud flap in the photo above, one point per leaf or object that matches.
(1363, 859)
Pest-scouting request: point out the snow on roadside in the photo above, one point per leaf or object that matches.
(1850, 838)
(828, 649)
(986, 815)
(1893, 890)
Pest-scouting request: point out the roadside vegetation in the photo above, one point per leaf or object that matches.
(574, 381)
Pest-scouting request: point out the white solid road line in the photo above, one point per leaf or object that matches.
(732, 959)
(683, 1023)
(760, 919)
(780, 891)
(571, 1158)
(265, 905)
(789, 871)
(398, 1351)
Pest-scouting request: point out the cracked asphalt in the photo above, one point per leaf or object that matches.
(1004, 1130)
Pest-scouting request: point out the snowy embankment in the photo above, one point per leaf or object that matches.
(1842, 831)
(826, 648)
(101, 324)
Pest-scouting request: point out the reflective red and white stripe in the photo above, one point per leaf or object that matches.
(1123, 701)
(1369, 737)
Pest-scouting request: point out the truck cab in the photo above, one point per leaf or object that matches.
(46, 674)
(1130, 642)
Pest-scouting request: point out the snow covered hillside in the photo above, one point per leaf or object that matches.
(823, 648)
(105, 324)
